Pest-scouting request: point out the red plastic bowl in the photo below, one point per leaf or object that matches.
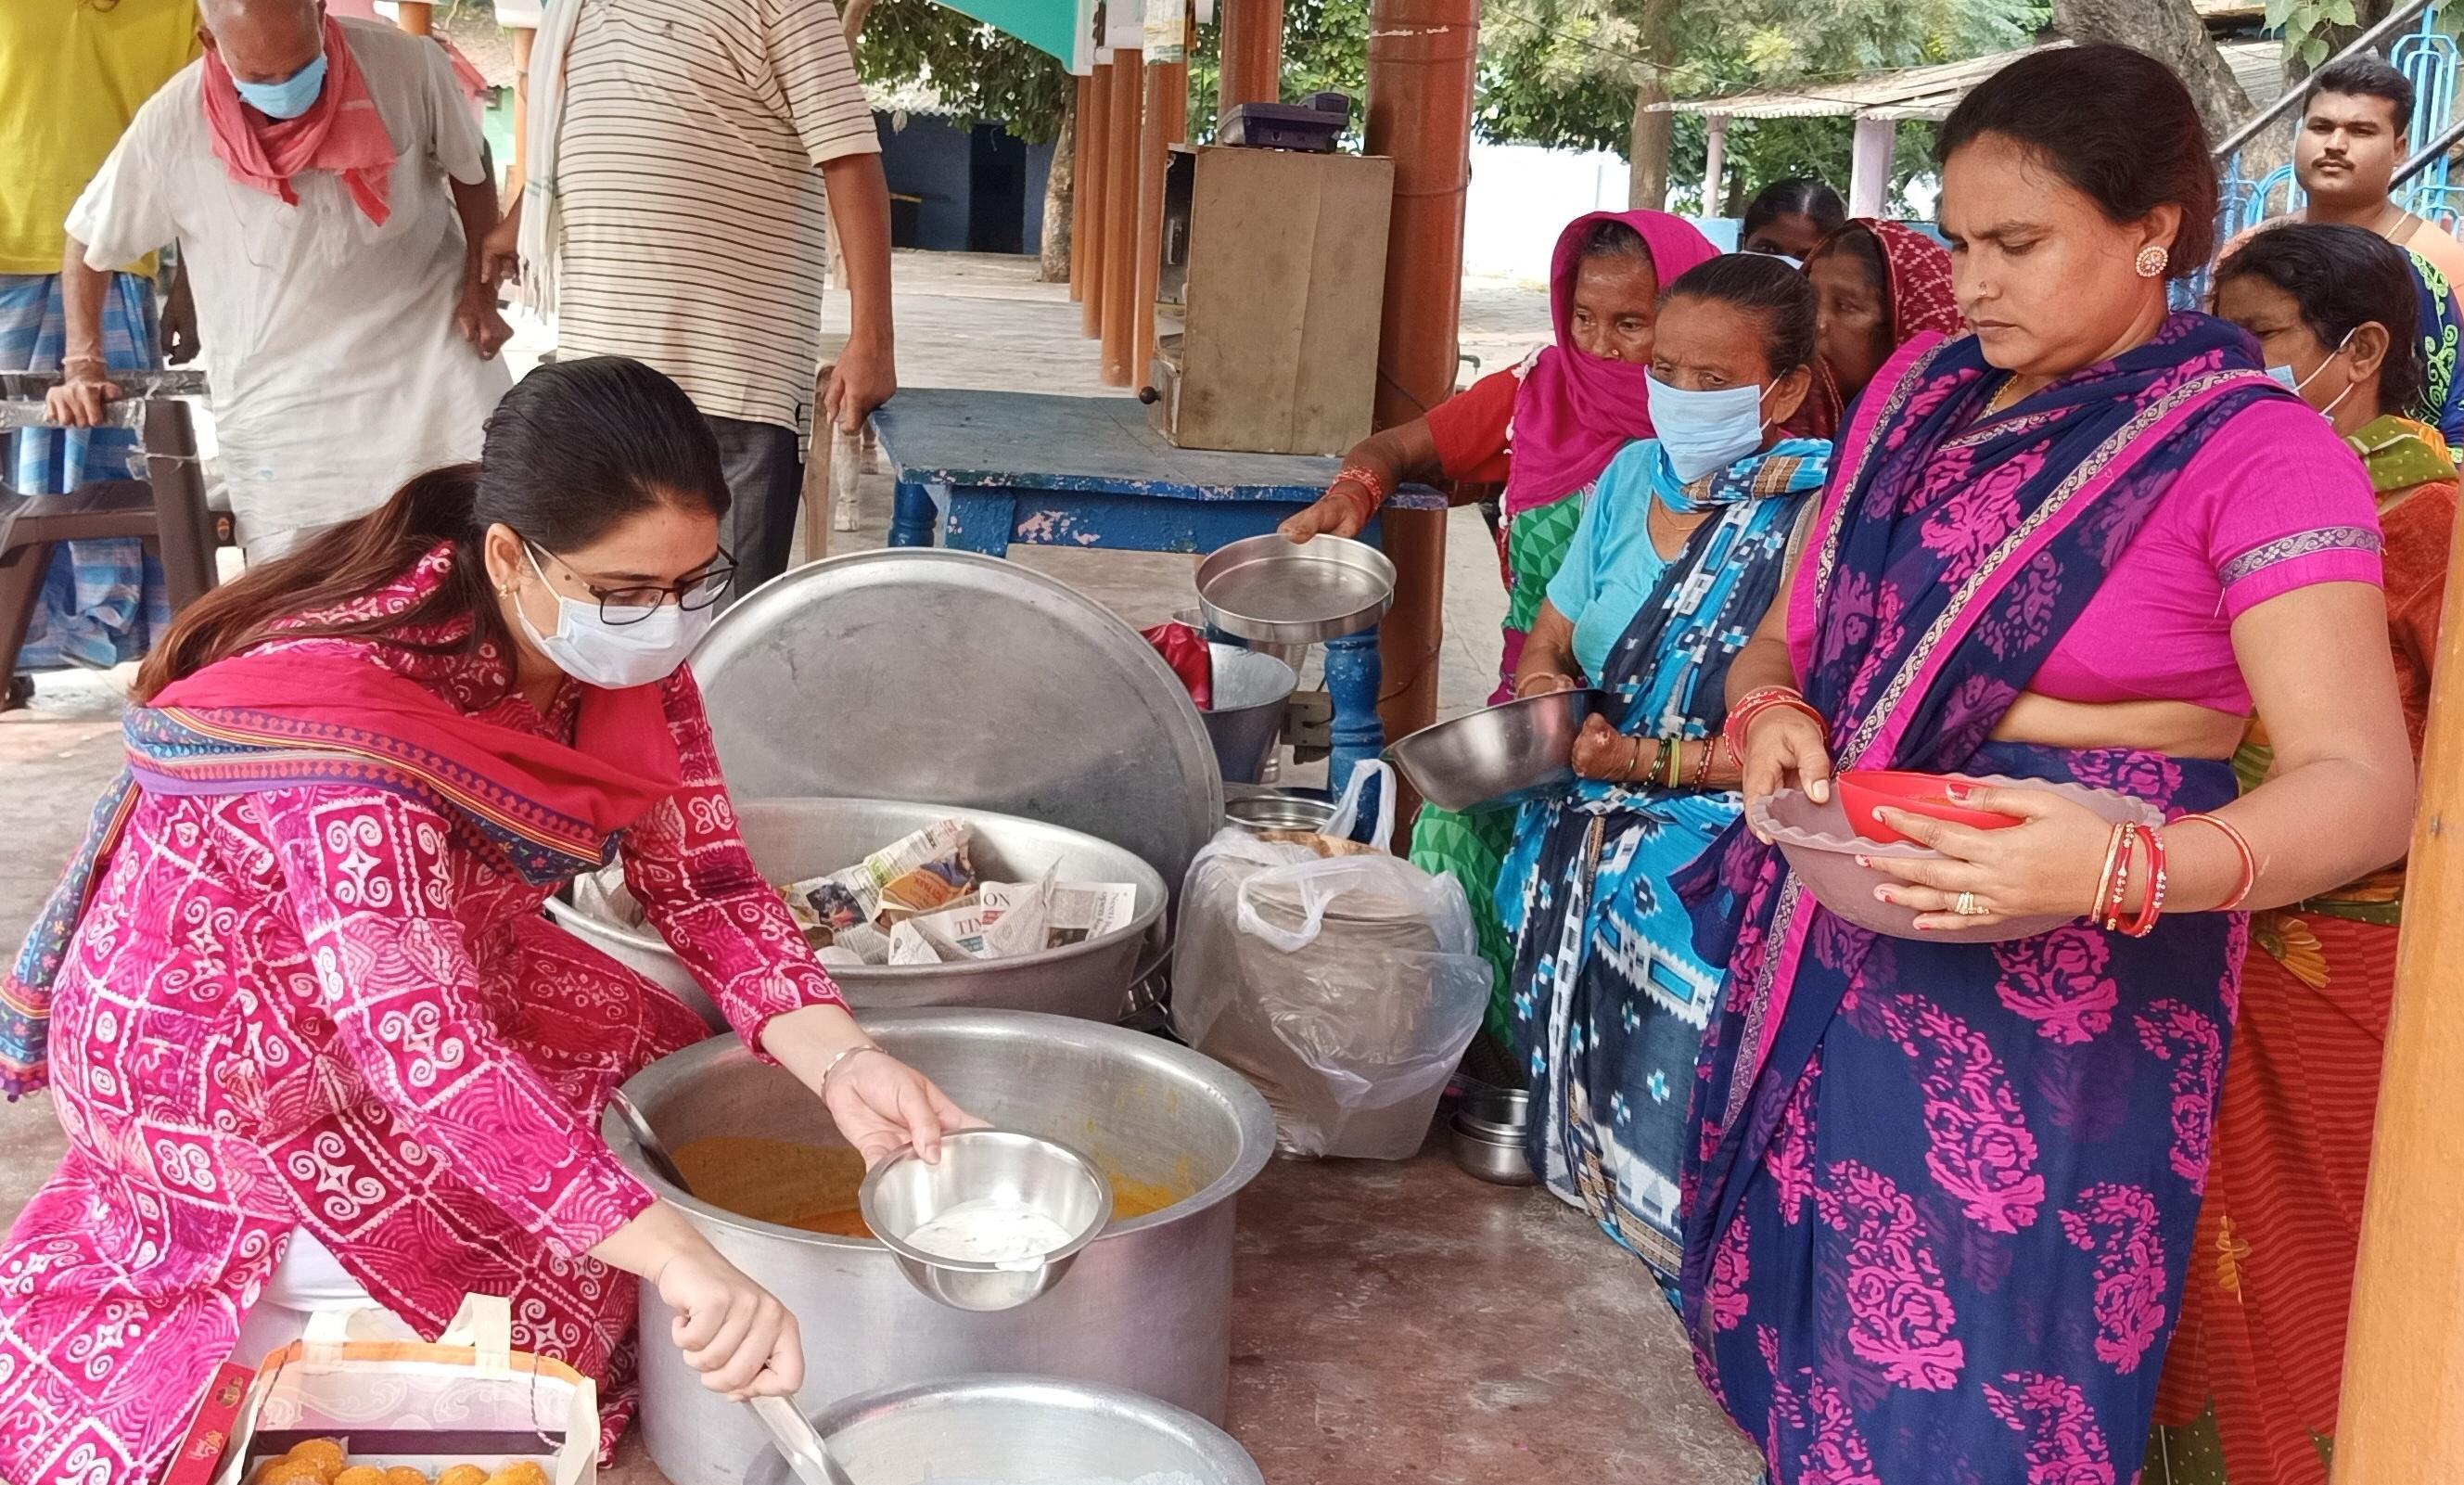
(1864, 790)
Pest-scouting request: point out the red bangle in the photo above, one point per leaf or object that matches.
(2153, 907)
(1751, 707)
(2116, 888)
(2241, 848)
(1366, 478)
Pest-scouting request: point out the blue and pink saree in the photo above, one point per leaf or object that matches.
(1941, 1197)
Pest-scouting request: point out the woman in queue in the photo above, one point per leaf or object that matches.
(1789, 218)
(2262, 1341)
(1681, 543)
(304, 1022)
(1942, 1195)
(1879, 285)
(1546, 429)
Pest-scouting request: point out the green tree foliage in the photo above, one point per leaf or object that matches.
(980, 75)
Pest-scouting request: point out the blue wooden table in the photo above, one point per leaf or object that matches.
(991, 470)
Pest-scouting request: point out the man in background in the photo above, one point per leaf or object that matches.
(325, 183)
(684, 159)
(71, 76)
(2353, 134)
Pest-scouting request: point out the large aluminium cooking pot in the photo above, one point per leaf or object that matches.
(791, 839)
(1147, 1305)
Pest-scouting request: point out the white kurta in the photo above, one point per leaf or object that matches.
(335, 368)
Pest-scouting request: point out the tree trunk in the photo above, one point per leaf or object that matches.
(2171, 31)
(1647, 147)
(1058, 188)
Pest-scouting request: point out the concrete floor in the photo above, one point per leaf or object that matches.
(1395, 1324)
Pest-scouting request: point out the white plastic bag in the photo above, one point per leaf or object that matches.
(468, 1399)
(1345, 986)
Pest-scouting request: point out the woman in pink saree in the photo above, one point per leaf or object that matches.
(295, 1002)
(1941, 1201)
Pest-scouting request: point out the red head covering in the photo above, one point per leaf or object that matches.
(342, 132)
(1574, 410)
(1916, 297)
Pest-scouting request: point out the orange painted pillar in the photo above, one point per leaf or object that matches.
(523, 39)
(1094, 188)
(1082, 119)
(1121, 216)
(1252, 41)
(1167, 124)
(417, 16)
(1421, 60)
(2402, 1418)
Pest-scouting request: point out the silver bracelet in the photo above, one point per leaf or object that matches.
(821, 1089)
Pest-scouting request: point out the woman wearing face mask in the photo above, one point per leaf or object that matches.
(1789, 218)
(1943, 1196)
(1682, 542)
(1546, 429)
(307, 1031)
(2252, 1380)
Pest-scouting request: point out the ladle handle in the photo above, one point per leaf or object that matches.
(804, 1452)
(653, 1149)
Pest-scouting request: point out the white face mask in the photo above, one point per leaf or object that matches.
(1703, 431)
(613, 657)
(2285, 375)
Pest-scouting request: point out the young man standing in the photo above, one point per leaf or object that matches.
(2353, 134)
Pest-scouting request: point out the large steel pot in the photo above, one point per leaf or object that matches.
(1017, 1428)
(792, 839)
(1147, 1306)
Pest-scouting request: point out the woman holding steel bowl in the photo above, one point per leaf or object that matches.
(1678, 555)
(1941, 1196)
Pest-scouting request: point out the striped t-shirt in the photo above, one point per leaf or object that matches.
(692, 211)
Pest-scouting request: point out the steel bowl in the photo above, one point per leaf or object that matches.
(1509, 1108)
(791, 839)
(1274, 590)
(904, 1192)
(1498, 756)
(1246, 719)
(1010, 1427)
(1272, 809)
(1481, 1151)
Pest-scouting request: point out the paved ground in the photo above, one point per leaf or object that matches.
(1394, 1323)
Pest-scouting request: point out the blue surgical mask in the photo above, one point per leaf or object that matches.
(1703, 432)
(290, 98)
(2300, 383)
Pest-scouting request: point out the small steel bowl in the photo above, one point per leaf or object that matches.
(1500, 755)
(903, 1193)
(1270, 810)
(1508, 1108)
(1270, 589)
(1499, 1162)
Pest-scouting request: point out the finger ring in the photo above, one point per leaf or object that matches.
(1965, 906)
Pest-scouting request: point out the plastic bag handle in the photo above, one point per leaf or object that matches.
(328, 1328)
(485, 1323)
(1317, 884)
(1347, 809)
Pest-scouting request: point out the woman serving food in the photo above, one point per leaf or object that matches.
(300, 1016)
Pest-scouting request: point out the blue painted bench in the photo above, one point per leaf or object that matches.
(992, 470)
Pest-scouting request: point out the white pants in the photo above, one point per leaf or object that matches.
(309, 1278)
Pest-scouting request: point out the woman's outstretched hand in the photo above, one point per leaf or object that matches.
(2044, 867)
(883, 1106)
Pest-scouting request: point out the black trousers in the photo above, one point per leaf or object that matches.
(765, 482)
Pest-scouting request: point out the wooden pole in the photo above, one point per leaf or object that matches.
(1421, 57)
(1093, 194)
(1167, 120)
(2401, 1421)
(1081, 122)
(1252, 42)
(1121, 218)
(417, 16)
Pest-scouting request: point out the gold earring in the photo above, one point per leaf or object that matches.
(2152, 261)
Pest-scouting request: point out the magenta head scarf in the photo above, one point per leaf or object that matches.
(1574, 410)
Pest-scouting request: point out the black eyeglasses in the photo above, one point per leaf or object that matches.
(622, 606)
